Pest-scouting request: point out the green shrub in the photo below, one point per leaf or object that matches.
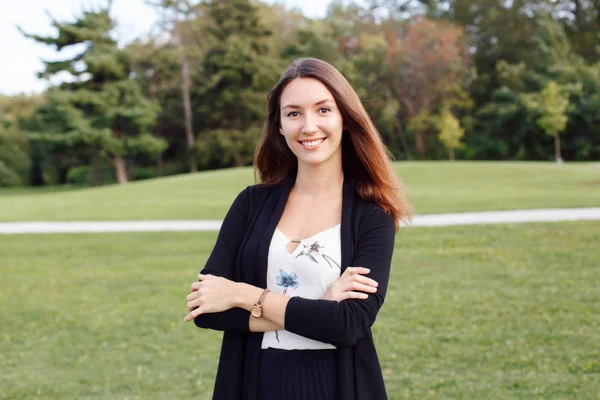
(140, 173)
(84, 175)
(14, 157)
(222, 148)
(8, 177)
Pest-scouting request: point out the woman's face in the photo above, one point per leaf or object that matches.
(311, 121)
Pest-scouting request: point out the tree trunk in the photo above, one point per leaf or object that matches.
(37, 171)
(97, 179)
(557, 155)
(119, 163)
(128, 168)
(63, 173)
(160, 166)
(187, 104)
(451, 153)
(420, 144)
(408, 155)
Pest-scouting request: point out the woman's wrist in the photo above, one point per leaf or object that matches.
(246, 295)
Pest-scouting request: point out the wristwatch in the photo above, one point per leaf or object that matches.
(257, 308)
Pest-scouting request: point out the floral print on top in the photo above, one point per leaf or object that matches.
(287, 280)
(313, 250)
(307, 272)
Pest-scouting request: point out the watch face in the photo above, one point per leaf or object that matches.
(256, 312)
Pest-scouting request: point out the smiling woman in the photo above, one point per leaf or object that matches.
(311, 121)
(302, 260)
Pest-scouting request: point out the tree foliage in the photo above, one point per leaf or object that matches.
(101, 112)
(428, 73)
(450, 132)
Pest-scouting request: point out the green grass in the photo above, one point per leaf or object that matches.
(33, 190)
(433, 187)
(473, 312)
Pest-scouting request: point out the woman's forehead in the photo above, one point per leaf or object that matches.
(305, 92)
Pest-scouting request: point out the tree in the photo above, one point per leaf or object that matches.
(177, 14)
(15, 161)
(431, 69)
(450, 132)
(237, 71)
(103, 111)
(553, 119)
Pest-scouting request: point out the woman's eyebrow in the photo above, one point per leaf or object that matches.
(318, 103)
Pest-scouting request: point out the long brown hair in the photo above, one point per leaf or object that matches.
(365, 159)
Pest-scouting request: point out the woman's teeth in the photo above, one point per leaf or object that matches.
(312, 143)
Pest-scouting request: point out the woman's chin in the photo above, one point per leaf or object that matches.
(314, 160)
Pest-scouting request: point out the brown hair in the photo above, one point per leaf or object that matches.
(365, 159)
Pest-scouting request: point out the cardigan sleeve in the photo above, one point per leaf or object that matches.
(221, 262)
(344, 323)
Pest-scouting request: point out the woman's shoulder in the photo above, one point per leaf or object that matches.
(369, 213)
(254, 194)
(261, 189)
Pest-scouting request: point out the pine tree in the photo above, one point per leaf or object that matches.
(102, 111)
(239, 68)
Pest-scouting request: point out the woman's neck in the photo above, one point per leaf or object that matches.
(319, 180)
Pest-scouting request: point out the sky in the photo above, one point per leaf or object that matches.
(21, 58)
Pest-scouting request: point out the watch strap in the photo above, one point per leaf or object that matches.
(262, 297)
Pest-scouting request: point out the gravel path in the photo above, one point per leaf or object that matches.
(487, 217)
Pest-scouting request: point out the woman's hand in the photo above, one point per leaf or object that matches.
(211, 295)
(351, 285)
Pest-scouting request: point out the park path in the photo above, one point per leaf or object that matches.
(469, 218)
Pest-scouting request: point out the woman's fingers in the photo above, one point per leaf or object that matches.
(365, 280)
(356, 270)
(193, 314)
(192, 295)
(355, 295)
(193, 304)
(361, 287)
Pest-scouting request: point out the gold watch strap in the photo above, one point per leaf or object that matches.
(262, 297)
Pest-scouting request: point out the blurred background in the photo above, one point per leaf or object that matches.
(96, 93)
(150, 110)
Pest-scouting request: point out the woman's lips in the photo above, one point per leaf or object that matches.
(312, 144)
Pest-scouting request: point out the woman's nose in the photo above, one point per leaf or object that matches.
(309, 126)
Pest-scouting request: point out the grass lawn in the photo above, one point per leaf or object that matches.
(433, 187)
(473, 312)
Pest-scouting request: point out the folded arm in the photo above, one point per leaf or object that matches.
(339, 323)
(344, 323)
(222, 263)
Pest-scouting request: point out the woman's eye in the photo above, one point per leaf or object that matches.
(293, 112)
(325, 109)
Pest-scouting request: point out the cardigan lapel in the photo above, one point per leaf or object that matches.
(273, 221)
(346, 228)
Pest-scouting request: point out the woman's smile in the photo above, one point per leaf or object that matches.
(312, 144)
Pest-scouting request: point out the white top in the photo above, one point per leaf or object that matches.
(306, 272)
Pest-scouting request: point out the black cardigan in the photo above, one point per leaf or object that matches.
(240, 254)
